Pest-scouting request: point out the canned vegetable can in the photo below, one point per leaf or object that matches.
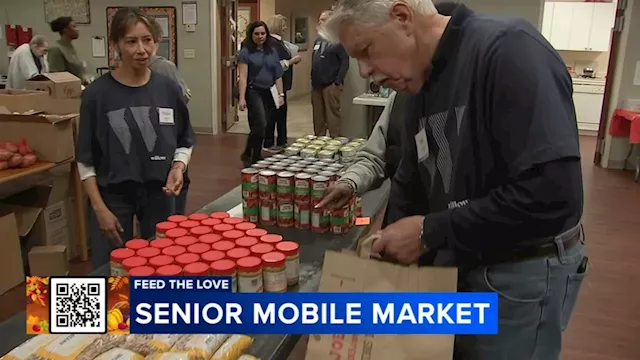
(285, 185)
(292, 150)
(285, 214)
(319, 185)
(268, 212)
(249, 178)
(319, 220)
(302, 214)
(267, 181)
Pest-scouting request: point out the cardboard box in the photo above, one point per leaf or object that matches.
(43, 214)
(23, 100)
(48, 261)
(50, 136)
(60, 85)
(11, 263)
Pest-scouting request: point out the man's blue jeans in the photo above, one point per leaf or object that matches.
(536, 299)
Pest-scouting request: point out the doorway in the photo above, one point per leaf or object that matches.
(228, 12)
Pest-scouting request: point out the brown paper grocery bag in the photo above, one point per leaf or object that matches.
(350, 271)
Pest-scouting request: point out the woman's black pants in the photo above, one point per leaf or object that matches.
(259, 107)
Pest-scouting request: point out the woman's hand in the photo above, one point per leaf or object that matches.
(175, 179)
(295, 60)
(109, 225)
(280, 100)
(242, 104)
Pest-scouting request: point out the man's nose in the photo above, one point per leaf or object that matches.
(365, 70)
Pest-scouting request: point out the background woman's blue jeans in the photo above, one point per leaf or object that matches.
(147, 202)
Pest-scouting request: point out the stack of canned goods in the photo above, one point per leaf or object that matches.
(284, 189)
(340, 149)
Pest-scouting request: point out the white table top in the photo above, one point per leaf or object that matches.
(370, 100)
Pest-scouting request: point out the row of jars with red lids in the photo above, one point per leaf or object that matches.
(256, 260)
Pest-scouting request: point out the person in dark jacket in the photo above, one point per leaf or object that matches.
(288, 57)
(328, 70)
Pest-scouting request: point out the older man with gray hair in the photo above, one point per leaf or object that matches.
(27, 61)
(490, 170)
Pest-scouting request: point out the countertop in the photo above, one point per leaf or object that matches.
(587, 81)
(312, 249)
(370, 100)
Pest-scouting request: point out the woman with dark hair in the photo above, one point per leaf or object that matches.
(62, 55)
(135, 140)
(260, 71)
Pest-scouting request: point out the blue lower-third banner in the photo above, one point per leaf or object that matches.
(196, 309)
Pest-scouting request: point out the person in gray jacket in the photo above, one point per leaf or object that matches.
(163, 66)
(377, 161)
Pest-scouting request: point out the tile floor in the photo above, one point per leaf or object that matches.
(606, 322)
(299, 120)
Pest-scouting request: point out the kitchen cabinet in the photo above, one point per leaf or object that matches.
(578, 26)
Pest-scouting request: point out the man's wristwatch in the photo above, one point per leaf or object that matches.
(351, 184)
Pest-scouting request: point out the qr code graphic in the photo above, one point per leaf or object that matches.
(78, 305)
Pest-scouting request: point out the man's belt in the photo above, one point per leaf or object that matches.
(569, 239)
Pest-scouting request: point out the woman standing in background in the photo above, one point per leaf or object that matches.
(260, 70)
(134, 141)
(62, 54)
(165, 67)
(287, 53)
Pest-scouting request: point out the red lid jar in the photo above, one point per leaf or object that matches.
(174, 250)
(169, 270)
(210, 222)
(274, 266)
(232, 235)
(177, 218)
(220, 228)
(213, 255)
(142, 271)
(199, 248)
(238, 253)
(117, 257)
(186, 259)
(148, 252)
(246, 242)
(272, 239)
(223, 245)
(133, 262)
(288, 248)
(244, 226)
(186, 240)
(197, 269)
(200, 230)
(176, 233)
(223, 267)
(219, 215)
(210, 238)
(249, 264)
(233, 220)
(198, 216)
(162, 227)
(160, 261)
(161, 243)
(261, 249)
(189, 224)
(137, 244)
(256, 233)
(250, 275)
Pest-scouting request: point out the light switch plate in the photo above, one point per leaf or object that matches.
(189, 53)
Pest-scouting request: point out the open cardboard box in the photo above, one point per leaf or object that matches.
(59, 85)
(23, 101)
(11, 262)
(50, 136)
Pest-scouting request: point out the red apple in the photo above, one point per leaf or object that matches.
(122, 326)
(36, 328)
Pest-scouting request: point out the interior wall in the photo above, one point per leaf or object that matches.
(196, 71)
(616, 149)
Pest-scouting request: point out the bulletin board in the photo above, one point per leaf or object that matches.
(166, 16)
